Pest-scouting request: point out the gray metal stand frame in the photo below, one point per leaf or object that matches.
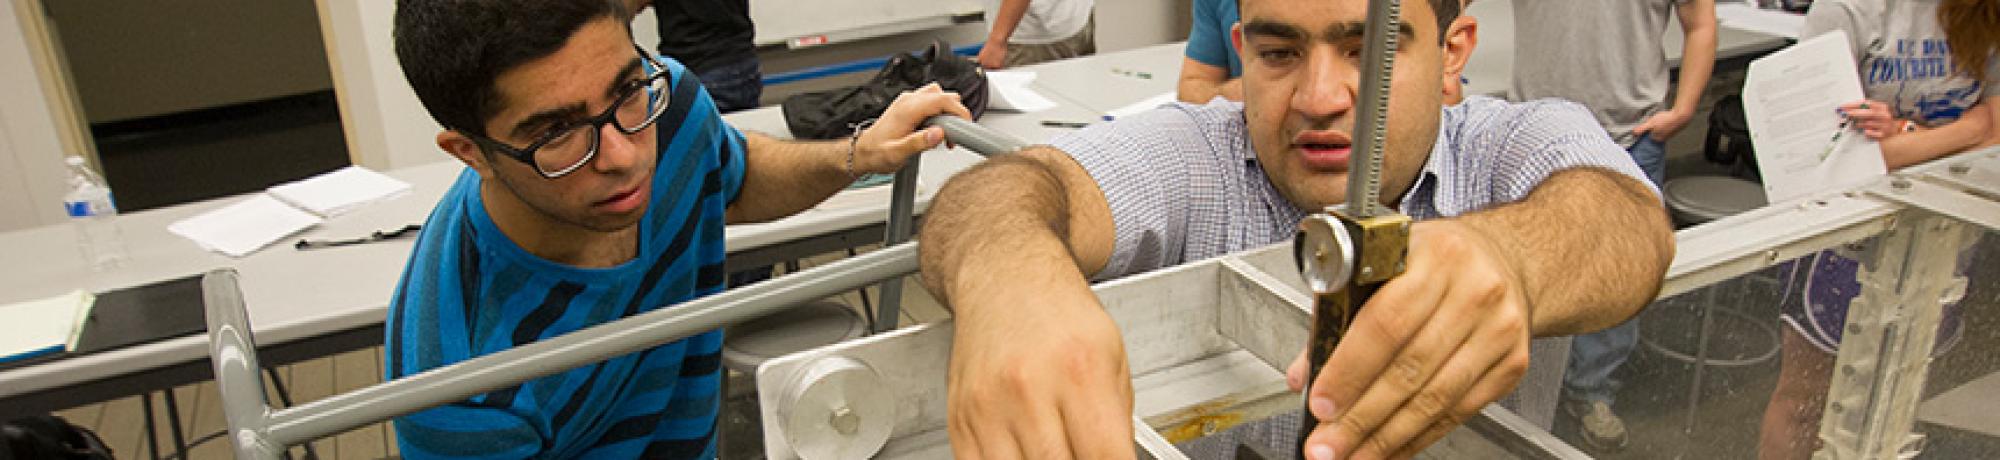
(259, 431)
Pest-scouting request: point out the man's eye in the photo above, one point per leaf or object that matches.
(554, 130)
(1278, 56)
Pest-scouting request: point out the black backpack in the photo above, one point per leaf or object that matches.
(49, 437)
(832, 114)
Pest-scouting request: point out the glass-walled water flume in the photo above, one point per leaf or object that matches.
(1859, 324)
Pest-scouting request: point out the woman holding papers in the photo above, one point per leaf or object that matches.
(1932, 82)
(1927, 68)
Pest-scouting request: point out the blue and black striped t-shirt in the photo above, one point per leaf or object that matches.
(469, 290)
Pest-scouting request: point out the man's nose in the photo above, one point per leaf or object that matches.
(1327, 88)
(616, 151)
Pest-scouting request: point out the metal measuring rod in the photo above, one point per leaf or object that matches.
(1347, 252)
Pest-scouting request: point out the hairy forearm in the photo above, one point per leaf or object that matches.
(1007, 216)
(781, 178)
(1697, 55)
(1971, 130)
(1201, 82)
(1591, 247)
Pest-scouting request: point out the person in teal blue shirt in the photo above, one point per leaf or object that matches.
(598, 180)
(1212, 67)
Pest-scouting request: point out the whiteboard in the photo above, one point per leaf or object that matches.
(779, 21)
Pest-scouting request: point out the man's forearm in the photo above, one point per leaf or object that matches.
(1591, 246)
(781, 178)
(1007, 214)
(1198, 90)
(1004, 21)
(1697, 54)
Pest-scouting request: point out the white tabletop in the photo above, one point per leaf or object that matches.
(1109, 81)
(1105, 82)
(294, 295)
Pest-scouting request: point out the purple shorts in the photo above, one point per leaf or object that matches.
(1819, 288)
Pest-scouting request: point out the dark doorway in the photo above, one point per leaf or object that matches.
(201, 99)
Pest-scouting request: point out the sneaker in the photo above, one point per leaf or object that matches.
(1600, 428)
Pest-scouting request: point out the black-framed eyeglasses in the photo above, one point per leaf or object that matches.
(565, 148)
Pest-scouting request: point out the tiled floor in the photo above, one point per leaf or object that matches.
(121, 423)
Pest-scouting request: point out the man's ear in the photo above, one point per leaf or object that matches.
(1236, 38)
(465, 150)
(1459, 40)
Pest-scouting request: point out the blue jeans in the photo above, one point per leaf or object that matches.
(1594, 356)
(1651, 155)
(1592, 359)
(734, 86)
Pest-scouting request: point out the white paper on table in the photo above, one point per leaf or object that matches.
(1144, 105)
(1751, 18)
(1008, 90)
(1790, 99)
(242, 228)
(43, 326)
(340, 191)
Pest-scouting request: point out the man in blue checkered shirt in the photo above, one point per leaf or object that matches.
(1532, 224)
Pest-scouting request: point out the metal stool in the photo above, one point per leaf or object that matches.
(746, 346)
(1693, 201)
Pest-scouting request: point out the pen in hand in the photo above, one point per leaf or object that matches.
(1834, 143)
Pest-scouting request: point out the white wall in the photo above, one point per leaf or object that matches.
(31, 169)
(387, 128)
(140, 59)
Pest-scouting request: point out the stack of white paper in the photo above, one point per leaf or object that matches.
(242, 228)
(43, 326)
(284, 209)
(1008, 90)
(1789, 100)
(338, 192)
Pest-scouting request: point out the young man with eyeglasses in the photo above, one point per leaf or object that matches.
(599, 178)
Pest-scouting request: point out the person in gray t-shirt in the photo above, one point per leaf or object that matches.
(1609, 57)
(1533, 224)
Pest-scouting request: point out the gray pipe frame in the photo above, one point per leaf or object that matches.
(259, 433)
(903, 197)
(233, 355)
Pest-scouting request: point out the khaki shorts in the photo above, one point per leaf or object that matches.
(1084, 43)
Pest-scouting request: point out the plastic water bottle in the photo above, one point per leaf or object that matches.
(90, 206)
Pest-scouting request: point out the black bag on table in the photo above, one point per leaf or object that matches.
(50, 437)
(832, 114)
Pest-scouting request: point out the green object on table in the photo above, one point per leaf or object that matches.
(871, 180)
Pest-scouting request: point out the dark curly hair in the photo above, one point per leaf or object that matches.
(452, 51)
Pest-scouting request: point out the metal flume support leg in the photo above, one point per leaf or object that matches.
(1885, 351)
(901, 223)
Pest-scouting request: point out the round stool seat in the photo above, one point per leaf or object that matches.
(809, 326)
(1699, 199)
